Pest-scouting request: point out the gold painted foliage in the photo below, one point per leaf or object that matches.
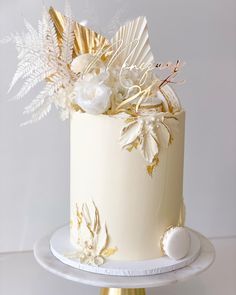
(92, 236)
(149, 134)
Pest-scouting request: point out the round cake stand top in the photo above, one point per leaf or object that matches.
(46, 259)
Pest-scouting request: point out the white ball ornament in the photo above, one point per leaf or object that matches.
(176, 242)
(85, 61)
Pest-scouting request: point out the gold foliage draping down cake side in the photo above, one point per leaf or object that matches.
(148, 134)
(90, 235)
(83, 71)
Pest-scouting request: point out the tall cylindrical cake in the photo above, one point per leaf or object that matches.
(126, 135)
(137, 208)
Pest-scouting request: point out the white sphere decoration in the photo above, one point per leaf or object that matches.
(83, 61)
(176, 242)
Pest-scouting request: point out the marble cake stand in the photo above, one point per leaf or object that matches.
(115, 285)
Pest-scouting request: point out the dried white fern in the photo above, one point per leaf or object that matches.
(42, 59)
(68, 36)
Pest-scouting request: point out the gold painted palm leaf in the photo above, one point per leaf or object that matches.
(86, 40)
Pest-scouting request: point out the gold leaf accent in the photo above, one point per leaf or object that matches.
(75, 107)
(134, 145)
(93, 238)
(109, 251)
(79, 217)
(150, 168)
(86, 40)
(149, 134)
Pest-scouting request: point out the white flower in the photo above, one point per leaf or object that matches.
(87, 62)
(92, 94)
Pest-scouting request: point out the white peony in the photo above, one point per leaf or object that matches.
(92, 94)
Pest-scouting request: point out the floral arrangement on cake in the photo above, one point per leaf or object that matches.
(83, 71)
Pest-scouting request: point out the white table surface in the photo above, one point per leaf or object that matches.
(20, 274)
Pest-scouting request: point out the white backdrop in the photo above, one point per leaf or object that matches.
(34, 160)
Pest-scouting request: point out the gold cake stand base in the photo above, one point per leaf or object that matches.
(114, 291)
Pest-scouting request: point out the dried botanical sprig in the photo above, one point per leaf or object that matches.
(43, 59)
(174, 69)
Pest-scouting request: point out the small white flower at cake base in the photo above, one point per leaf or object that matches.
(92, 94)
(148, 134)
(176, 242)
(92, 236)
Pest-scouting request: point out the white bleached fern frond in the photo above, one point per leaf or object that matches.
(41, 58)
(51, 43)
(42, 110)
(68, 36)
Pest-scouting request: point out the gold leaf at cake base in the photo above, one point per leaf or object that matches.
(109, 251)
(93, 238)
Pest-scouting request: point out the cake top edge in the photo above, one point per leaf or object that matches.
(84, 71)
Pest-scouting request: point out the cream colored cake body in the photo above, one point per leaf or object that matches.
(136, 207)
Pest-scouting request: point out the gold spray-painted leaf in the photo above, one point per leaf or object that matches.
(86, 40)
(149, 134)
(133, 145)
(91, 237)
(150, 168)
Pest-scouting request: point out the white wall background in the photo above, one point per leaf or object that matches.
(34, 161)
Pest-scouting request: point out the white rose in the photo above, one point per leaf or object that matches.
(84, 61)
(92, 95)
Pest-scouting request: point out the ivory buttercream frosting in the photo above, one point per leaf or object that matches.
(137, 208)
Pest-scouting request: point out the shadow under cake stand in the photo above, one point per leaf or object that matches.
(123, 285)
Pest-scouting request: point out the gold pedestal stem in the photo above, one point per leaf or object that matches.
(113, 291)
